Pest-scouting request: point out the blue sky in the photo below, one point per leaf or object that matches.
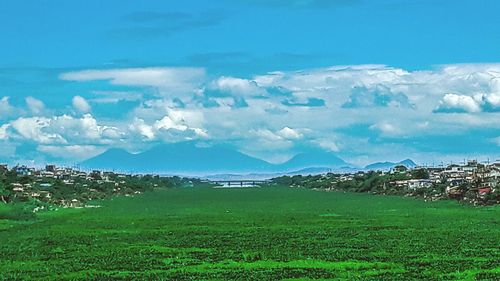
(368, 80)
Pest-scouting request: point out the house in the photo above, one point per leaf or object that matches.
(45, 185)
(454, 192)
(401, 183)
(44, 194)
(50, 168)
(47, 174)
(75, 204)
(419, 183)
(484, 191)
(35, 194)
(23, 170)
(17, 187)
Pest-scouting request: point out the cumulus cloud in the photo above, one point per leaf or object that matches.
(83, 130)
(6, 109)
(469, 104)
(33, 129)
(35, 106)
(386, 128)
(81, 105)
(139, 126)
(71, 152)
(289, 133)
(177, 125)
(62, 129)
(379, 95)
(269, 139)
(490, 102)
(238, 86)
(327, 144)
(344, 108)
(3, 131)
(458, 103)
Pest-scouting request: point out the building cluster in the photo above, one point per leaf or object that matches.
(66, 187)
(472, 182)
(458, 179)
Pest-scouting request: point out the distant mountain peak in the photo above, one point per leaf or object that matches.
(313, 159)
(389, 165)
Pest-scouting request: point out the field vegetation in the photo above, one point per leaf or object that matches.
(274, 233)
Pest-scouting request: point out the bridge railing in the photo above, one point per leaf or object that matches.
(239, 183)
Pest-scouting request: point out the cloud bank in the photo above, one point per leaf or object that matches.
(362, 112)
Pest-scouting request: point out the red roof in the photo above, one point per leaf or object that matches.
(484, 190)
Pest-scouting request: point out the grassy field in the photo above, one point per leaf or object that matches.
(255, 234)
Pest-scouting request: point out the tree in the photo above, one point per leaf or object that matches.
(420, 174)
(4, 193)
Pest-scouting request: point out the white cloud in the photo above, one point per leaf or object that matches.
(33, 129)
(145, 130)
(386, 128)
(480, 102)
(289, 133)
(3, 131)
(327, 144)
(238, 86)
(62, 129)
(265, 139)
(80, 104)
(269, 112)
(458, 103)
(166, 123)
(6, 109)
(83, 130)
(267, 135)
(176, 125)
(35, 106)
(71, 152)
(490, 102)
(166, 79)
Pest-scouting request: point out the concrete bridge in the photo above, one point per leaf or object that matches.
(239, 183)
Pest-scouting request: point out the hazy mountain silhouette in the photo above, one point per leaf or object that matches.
(389, 165)
(183, 157)
(315, 159)
(186, 157)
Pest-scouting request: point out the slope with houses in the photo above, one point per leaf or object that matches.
(471, 182)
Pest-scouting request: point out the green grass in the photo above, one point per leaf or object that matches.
(256, 234)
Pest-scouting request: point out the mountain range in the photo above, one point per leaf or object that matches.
(187, 158)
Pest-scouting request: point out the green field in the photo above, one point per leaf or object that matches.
(255, 234)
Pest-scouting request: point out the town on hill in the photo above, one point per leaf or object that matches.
(51, 187)
(470, 182)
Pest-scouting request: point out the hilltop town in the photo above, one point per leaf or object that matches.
(69, 187)
(470, 182)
